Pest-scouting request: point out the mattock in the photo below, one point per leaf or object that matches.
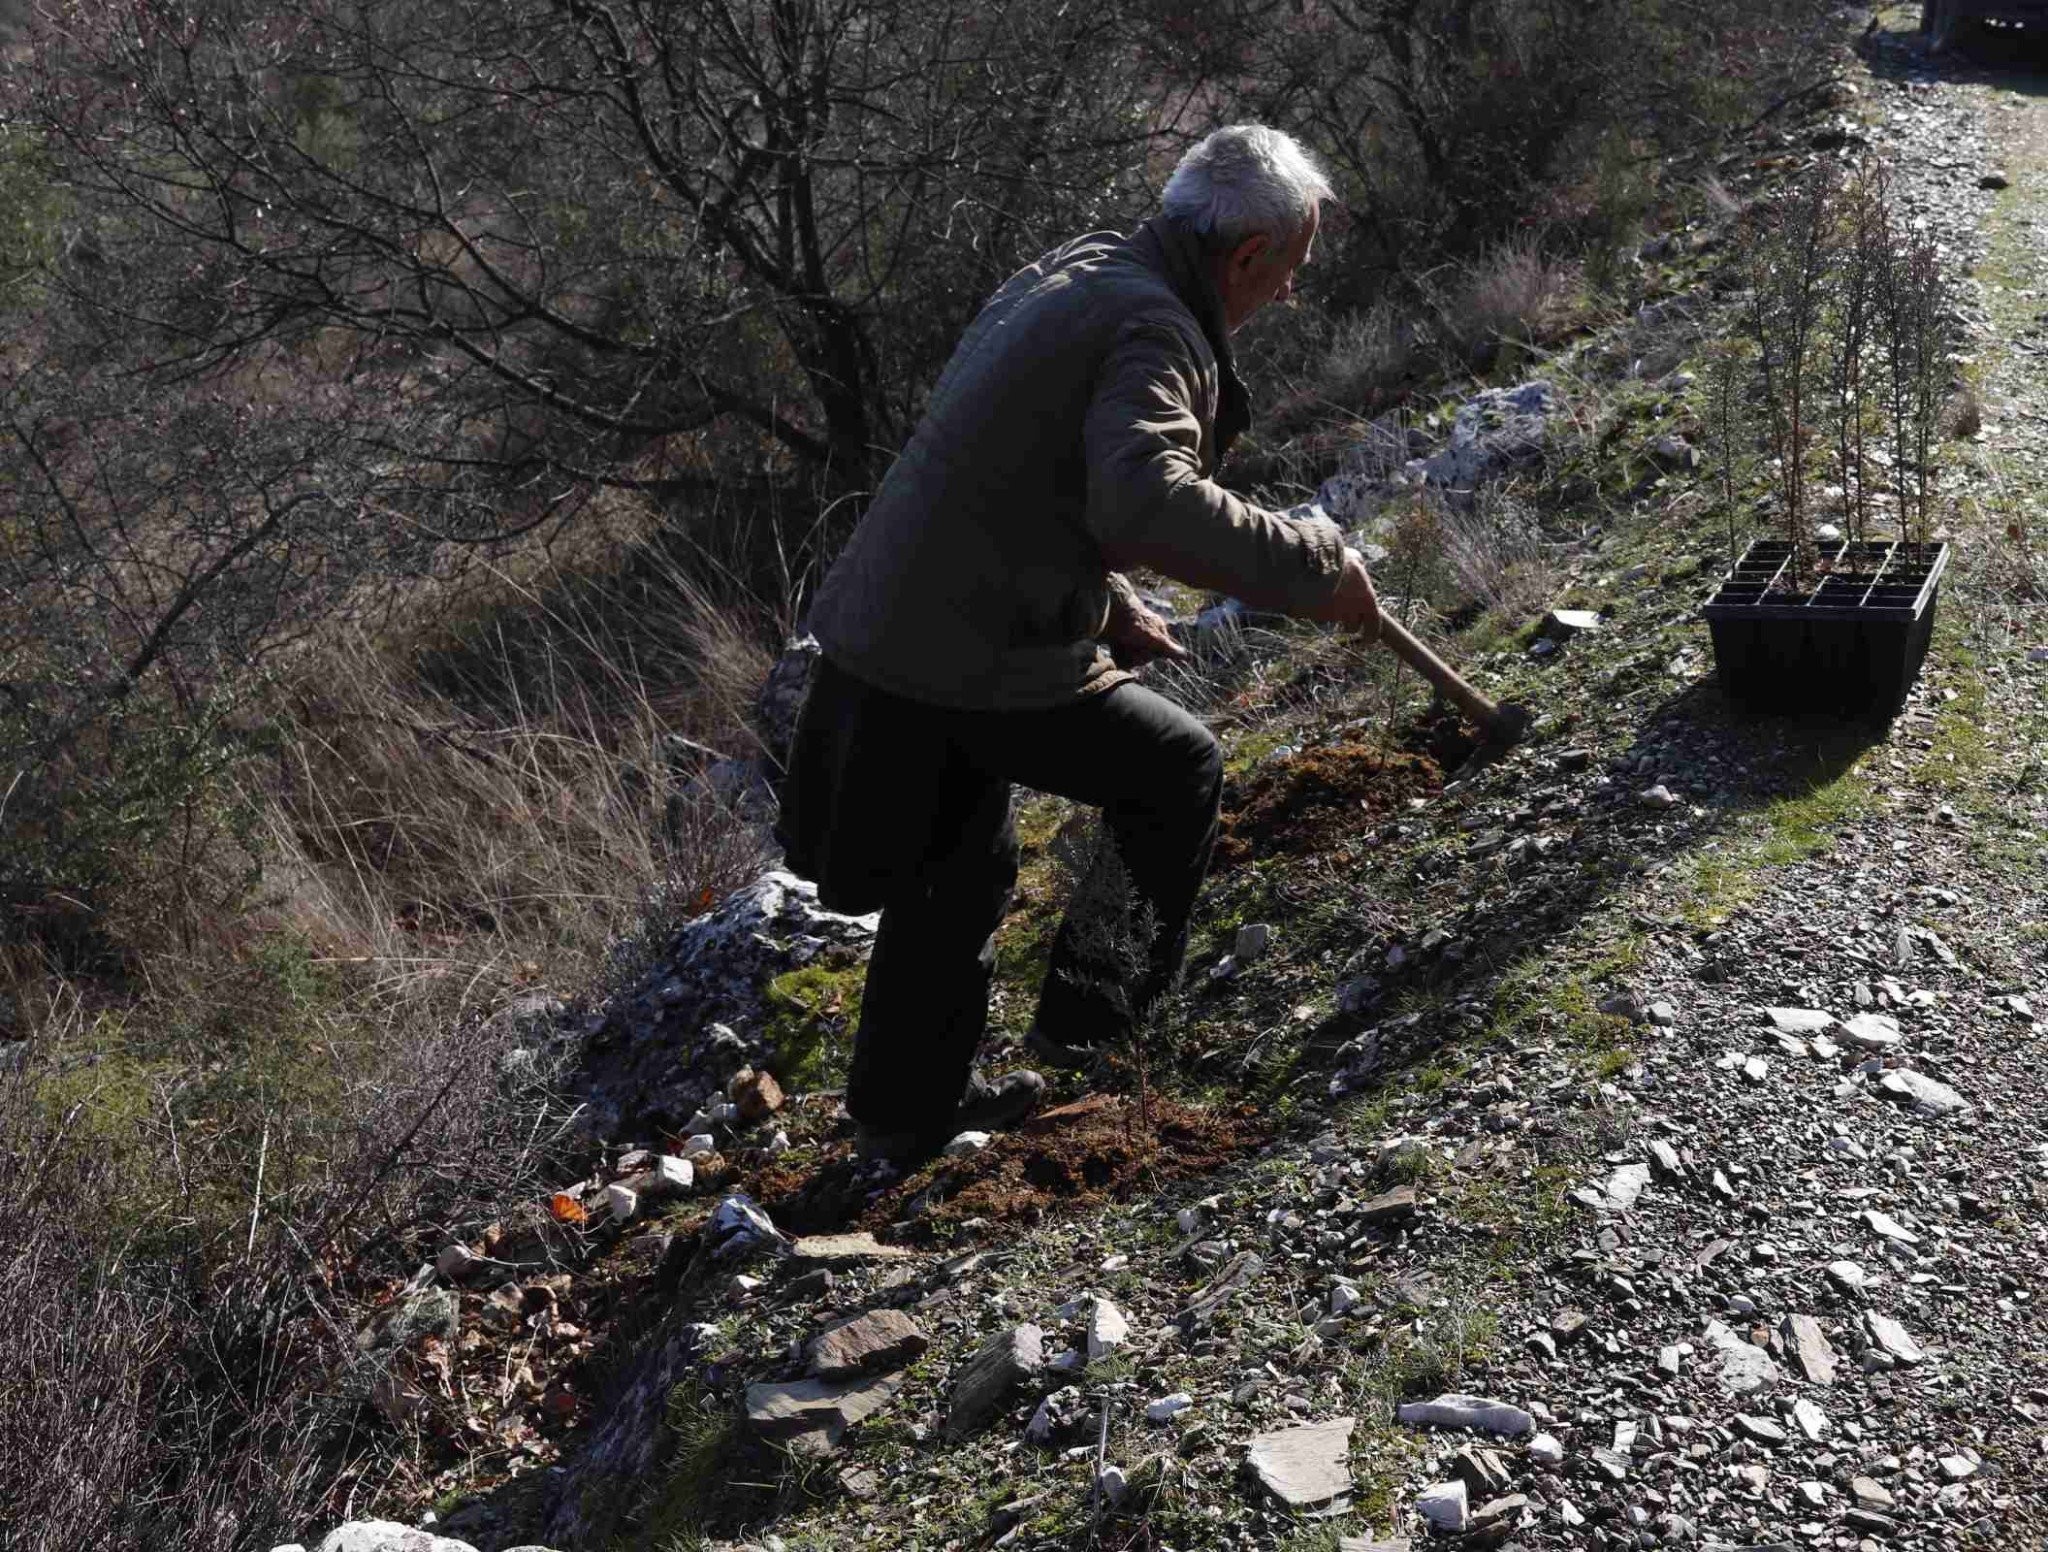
(1502, 722)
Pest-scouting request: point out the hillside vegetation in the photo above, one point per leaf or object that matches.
(419, 427)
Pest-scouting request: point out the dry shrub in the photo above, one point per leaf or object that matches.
(1374, 358)
(1496, 551)
(1514, 295)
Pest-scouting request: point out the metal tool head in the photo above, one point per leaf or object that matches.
(1510, 724)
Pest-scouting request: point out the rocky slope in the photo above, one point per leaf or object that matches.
(1633, 1141)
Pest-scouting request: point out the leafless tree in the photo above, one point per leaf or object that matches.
(672, 244)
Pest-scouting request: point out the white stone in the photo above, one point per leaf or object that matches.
(1626, 1184)
(387, 1536)
(1887, 1227)
(1344, 1298)
(1113, 1485)
(671, 1176)
(1107, 1329)
(622, 1202)
(1253, 939)
(1546, 1451)
(1659, 796)
(1445, 1506)
(1745, 1367)
(1475, 1412)
(967, 1143)
(1812, 1421)
(697, 1144)
(1168, 1406)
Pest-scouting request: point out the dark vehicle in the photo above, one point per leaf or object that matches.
(1944, 20)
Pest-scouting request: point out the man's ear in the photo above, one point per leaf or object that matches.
(1247, 255)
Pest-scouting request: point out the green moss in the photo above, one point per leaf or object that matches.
(812, 1015)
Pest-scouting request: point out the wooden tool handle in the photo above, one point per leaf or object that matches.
(1485, 713)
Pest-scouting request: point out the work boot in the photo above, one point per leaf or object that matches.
(987, 1106)
(1057, 1053)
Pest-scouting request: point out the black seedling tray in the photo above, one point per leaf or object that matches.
(1852, 644)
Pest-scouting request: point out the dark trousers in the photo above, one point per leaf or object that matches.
(904, 805)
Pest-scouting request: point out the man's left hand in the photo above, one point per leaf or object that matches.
(1136, 634)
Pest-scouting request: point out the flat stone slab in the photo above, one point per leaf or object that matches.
(838, 1249)
(830, 1407)
(1809, 1348)
(1893, 1338)
(1620, 1191)
(1475, 1412)
(1873, 1031)
(1885, 1226)
(1389, 1208)
(1308, 1467)
(1927, 1096)
(875, 1343)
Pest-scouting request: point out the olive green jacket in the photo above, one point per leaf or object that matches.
(1074, 433)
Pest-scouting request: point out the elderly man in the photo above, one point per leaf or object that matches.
(977, 633)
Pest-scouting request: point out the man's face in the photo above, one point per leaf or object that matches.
(1258, 271)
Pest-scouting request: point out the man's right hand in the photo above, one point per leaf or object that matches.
(1354, 604)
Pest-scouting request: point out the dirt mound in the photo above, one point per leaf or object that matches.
(1307, 801)
(1067, 1159)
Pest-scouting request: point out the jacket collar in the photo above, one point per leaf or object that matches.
(1177, 252)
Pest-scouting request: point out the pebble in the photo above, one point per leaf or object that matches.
(967, 1144)
(1167, 1407)
(1545, 1450)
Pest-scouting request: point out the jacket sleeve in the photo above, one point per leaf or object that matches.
(1149, 504)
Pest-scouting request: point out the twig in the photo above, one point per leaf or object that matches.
(256, 1205)
(1101, 1455)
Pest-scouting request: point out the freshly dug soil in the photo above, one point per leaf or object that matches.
(1066, 1160)
(1308, 801)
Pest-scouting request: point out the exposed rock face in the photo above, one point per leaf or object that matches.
(602, 1479)
(674, 1042)
(1493, 433)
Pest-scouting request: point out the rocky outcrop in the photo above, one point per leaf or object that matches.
(673, 1042)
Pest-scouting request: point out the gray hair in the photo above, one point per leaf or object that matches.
(1243, 181)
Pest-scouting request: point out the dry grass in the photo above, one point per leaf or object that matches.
(1515, 295)
(212, 1161)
